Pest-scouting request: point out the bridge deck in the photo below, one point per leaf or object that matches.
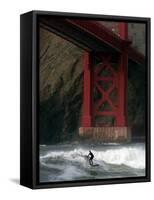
(91, 36)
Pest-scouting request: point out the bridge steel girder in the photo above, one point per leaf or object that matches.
(91, 36)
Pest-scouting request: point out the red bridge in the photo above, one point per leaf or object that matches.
(105, 66)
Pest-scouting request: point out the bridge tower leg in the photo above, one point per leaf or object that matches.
(95, 79)
(122, 89)
(123, 77)
(87, 115)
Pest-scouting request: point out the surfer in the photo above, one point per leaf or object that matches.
(90, 156)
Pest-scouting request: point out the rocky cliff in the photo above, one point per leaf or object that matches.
(60, 88)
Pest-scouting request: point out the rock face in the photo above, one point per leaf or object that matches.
(61, 87)
(136, 33)
(136, 99)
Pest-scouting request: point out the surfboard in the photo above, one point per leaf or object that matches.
(87, 158)
(95, 165)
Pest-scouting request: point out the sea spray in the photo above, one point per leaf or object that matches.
(69, 162)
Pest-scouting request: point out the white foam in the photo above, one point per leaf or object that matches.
(43, 145)
(133, 156)
(70, 173)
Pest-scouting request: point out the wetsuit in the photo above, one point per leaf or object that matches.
(91, 156)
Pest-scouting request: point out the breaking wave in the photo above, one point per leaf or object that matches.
(133, 156)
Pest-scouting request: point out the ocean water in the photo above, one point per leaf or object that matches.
(67, 162)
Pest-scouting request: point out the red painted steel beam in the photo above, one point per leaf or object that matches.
(105, 113)
(105, 93)
(105, 35)
(121, 118)
(98, 78)
(123, 30)
(87, 91)
(99, 31)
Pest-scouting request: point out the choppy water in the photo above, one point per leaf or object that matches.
(66, 162)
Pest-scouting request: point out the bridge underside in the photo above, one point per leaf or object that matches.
(104, 116)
